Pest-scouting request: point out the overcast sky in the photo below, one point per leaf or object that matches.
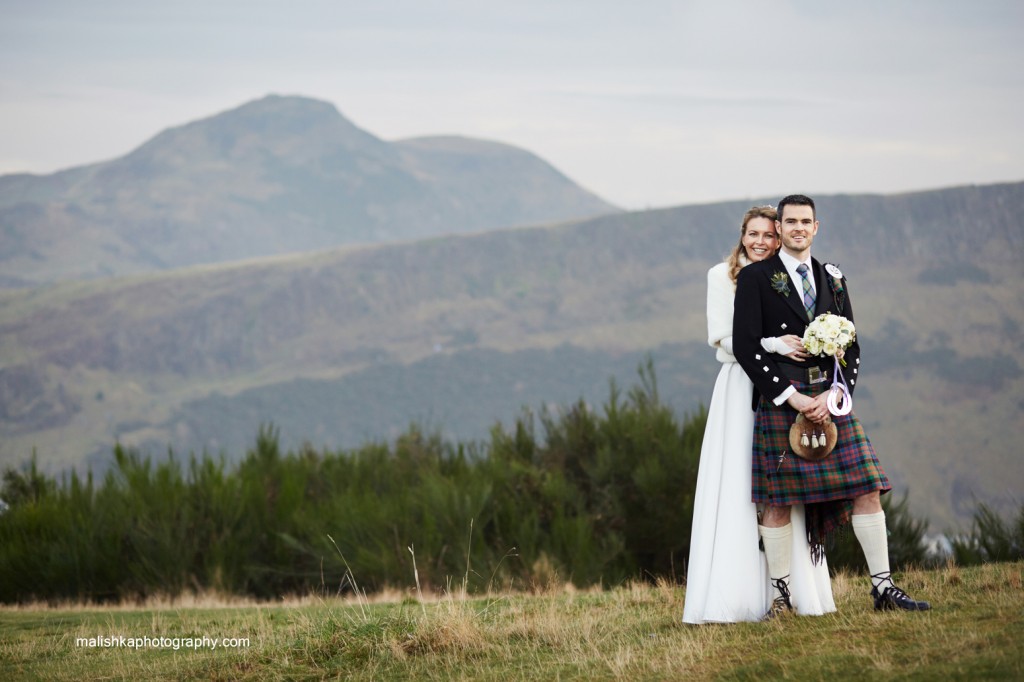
(646, 103)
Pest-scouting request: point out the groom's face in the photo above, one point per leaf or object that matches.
(797, 228)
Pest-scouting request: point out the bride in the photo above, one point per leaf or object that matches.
(727, 578)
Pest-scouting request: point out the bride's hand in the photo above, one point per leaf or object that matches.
(797, 344)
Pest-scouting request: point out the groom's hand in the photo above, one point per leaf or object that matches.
(800, 402)
(814, 409)
(817, 412)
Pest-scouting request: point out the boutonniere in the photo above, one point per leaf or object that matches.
(835, 280)
(780, 282)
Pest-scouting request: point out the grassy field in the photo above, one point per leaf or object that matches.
(975, 631)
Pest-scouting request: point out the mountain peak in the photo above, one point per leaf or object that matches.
(282, 113)
(275, 125)
(275, 175)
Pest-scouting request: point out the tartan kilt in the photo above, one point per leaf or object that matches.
(828, 486)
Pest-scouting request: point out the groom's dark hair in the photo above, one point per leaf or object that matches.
(797, 200)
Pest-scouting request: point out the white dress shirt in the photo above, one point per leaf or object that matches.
(791, 264)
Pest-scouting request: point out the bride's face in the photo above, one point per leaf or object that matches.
(760, 240)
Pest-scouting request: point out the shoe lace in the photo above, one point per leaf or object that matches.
(892, 591)
(783, 587)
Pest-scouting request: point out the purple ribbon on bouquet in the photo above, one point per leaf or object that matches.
(839, 401)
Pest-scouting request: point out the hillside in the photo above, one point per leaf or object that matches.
(274, 176)
(350, 345)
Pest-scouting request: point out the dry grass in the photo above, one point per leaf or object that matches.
(975, 631)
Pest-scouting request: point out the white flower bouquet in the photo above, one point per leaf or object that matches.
(828, 334)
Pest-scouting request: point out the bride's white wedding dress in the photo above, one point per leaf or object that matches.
(727, 576)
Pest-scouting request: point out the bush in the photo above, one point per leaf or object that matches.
(587, 497)
(991, 539)
(576, 494)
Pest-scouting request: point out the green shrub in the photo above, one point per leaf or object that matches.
(991, 539)
(591, 496)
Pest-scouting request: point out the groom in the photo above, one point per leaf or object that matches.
(776, 297)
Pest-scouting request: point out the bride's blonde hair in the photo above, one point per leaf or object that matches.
(738, 258)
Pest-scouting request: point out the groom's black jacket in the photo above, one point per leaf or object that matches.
(761, 311)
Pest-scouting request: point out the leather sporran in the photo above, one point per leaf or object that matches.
(812, 441)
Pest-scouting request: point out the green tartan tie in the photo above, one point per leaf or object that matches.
(808, 293)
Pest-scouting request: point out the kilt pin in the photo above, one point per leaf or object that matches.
(766, 307)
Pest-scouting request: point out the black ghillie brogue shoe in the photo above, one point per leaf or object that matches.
(893, 597)
(781, 605)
